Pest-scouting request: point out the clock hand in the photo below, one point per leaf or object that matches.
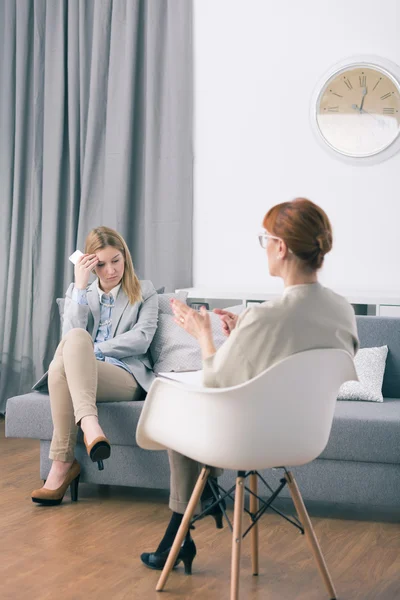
(381, 121)
(364, 93)
(362, 110)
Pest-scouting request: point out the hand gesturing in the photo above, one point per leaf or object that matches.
(228, 320)
(198, 324)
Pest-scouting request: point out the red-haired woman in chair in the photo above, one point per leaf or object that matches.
(296, 237)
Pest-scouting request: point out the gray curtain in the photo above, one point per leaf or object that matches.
(95, 129)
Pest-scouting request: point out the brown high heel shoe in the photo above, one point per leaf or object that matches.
(54, 497)
(99, 450)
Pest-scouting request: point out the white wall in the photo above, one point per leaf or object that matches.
(256, 65)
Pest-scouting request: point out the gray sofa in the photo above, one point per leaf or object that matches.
(360, 465)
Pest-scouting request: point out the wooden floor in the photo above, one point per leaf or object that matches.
(90, 550)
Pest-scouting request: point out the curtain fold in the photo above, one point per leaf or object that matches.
(96, 110)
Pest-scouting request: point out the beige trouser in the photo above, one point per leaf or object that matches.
(76, 380)
(184, 474)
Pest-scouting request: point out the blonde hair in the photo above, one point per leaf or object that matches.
(101, 237)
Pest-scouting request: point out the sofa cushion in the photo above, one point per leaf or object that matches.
(365, 431)
(29, 416)
(361, 431)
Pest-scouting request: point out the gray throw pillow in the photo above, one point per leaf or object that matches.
(164, 302)
(173, 349)
(370, 366)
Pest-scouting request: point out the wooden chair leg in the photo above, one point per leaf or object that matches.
(254, 531)
(310, 535)
(183, 529)
(237, 535)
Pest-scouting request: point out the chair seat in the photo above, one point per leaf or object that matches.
(361, 431)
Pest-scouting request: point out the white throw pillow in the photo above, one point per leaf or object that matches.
(370, 366)
(173, 349)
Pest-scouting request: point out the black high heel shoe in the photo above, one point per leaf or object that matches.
(207, 501)
(214, 511)
(157, 560)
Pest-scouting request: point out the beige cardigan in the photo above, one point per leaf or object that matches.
(306, 317)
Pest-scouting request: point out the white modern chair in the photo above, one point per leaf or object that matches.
(281, 417)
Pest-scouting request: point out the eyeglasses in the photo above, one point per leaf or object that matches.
(263, 238)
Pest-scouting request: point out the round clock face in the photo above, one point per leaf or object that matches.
(358, 110)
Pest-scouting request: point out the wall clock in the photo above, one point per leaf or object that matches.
(355, 110)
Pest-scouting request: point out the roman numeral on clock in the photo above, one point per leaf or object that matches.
(363, 80)
(348, 83)
(388, 111)
(386, 96)
(377, 83)
(333, 109)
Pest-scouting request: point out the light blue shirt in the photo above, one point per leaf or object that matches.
(104, 331)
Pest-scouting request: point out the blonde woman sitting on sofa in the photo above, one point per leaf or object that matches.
(107, 330)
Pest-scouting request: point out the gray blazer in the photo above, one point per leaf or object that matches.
(133, 328)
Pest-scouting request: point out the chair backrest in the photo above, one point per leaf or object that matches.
(281, 417)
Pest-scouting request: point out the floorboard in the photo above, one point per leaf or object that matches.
(91, 549)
